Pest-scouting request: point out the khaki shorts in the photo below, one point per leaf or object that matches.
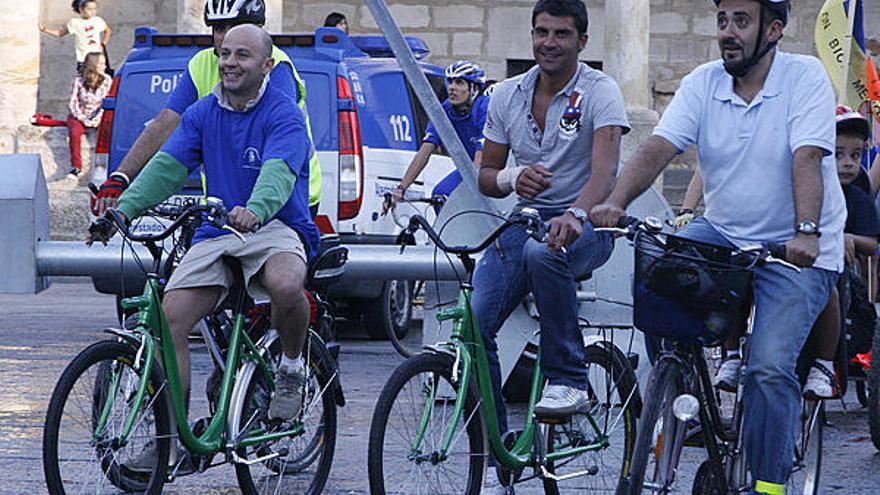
(201, 266)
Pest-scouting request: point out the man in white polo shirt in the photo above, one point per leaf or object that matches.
(763, 124)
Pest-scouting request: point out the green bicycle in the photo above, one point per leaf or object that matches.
(437, 413)
(114, 403)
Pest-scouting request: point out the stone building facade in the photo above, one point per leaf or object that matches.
(647, 45)
(493, 32)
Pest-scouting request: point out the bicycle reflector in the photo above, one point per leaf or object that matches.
(685, 407)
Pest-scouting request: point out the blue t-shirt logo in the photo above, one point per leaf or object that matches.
(252, 158)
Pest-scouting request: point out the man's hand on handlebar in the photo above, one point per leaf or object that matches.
(563, 230)
(802, 251)
(103, 228)
(606, 215)
(243, 220)
(392, 198)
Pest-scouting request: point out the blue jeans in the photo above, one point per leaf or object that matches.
(517, 264)
(787, 304)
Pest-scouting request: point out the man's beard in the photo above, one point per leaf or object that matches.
(739, 68)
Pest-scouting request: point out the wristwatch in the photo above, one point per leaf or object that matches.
(578, 213)
(808, 228)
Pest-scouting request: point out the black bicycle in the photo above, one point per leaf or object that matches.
(681, 407)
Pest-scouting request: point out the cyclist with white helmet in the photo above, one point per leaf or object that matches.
(466, 108)
(198, 81)
(763, 124)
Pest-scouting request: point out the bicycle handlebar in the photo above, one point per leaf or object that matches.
(213, 208)
(527, 217)
(767, 252)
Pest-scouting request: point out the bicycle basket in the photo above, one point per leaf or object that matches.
(689, 291)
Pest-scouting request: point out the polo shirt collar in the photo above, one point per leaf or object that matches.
(223, 101)
(528, 82)
(772, 85)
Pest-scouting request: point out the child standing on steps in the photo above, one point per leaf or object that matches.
(90, 31)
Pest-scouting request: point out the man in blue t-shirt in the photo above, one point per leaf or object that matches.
(197, 80)
(466, 108)
(253, 144)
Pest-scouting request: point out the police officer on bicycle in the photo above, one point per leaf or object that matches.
(763, 124)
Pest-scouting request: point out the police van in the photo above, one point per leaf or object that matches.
(366, 122)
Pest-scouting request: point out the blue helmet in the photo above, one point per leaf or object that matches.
(467, 70)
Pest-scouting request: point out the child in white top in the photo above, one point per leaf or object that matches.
(90, 31)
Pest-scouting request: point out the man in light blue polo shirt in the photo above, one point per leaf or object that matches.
(562, 121)
(763, 124)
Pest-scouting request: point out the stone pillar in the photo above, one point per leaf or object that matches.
(19, 68)
(627, 41)
(274, 15)
(191, 16)
(627, 49)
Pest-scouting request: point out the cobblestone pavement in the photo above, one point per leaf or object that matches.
(40, 334)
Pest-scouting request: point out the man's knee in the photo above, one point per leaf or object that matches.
(183, 308)
(537, 255)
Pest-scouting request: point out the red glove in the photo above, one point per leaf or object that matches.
(109, 193)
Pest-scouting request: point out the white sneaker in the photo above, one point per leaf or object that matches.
(727, 377)
(820, 383)
(288, 398)
(561, 400)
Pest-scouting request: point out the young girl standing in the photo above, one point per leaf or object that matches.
(86, 96)
(89, 30)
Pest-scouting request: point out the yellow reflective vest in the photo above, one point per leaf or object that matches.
(205, 74)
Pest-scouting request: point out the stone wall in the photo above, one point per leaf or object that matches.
(489, 31)
(57, 61)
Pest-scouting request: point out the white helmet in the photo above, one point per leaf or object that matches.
(235, 12)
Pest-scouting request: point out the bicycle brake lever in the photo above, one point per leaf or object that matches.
(237, 233)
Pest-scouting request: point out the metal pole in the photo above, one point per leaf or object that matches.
(847, 52)
(365, 262)
(428, 99)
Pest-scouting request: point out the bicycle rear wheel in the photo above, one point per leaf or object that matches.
(614, 402)
(80, 457)
(804, 477)
(661, 435)
(421, 393)
(303, 462)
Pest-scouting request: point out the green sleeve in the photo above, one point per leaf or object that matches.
(272, 190)
(163, 176)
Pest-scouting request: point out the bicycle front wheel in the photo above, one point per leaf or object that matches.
(804, 477)
(411, 419)
(299, 464)
(83, 451)
(614, 399)
(661, 434)
(873, 394)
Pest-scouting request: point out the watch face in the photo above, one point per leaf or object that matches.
(807, 228)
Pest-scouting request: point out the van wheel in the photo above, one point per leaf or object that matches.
(390, 312)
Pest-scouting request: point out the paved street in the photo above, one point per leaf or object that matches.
(40, 334)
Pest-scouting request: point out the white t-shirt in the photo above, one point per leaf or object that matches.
(746, 150)
(87, 33)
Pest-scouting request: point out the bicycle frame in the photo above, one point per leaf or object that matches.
(466, 344)
(152, 318)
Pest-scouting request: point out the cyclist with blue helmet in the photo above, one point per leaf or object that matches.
(763, 124)
(466, 108)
